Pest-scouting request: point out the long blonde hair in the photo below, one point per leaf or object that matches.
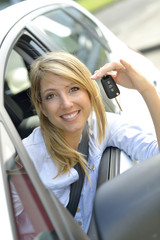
(68, 66)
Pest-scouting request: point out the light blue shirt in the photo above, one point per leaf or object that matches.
(131, 139)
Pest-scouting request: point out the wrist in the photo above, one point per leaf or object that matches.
(151, 97)
(148, 91)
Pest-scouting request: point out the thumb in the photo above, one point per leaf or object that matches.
(126, 65)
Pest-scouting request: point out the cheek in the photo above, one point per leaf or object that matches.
(48, 110)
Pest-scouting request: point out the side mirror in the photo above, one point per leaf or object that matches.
(128, 206)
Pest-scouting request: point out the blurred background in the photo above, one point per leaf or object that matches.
(136, 23)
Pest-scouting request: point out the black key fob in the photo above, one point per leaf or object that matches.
(110, 87)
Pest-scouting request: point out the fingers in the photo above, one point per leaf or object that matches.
(114, 66)
(126, 65)
(130, 71)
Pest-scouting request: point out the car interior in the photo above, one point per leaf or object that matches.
(16, 93)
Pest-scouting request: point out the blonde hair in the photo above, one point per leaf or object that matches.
(68, 66)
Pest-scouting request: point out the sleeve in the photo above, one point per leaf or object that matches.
(126, 136)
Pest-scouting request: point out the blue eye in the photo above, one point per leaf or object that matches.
(74, 89)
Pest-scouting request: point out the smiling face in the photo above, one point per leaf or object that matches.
(65, 104)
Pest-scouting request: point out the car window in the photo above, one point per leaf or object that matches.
(17, 84)
(16, 76)
(16, 92)
(87, 22)
(30, 218)
(25, 50)
(71, 35)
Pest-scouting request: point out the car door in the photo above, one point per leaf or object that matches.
(33, 211)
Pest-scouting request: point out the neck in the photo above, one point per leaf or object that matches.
(73, 139)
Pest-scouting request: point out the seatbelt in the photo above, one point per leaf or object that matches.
(76, 187)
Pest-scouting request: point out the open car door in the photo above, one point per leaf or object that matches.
(128, 207)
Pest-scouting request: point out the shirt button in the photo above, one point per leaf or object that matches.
(93, 167)
(78, 209)
(80, 223)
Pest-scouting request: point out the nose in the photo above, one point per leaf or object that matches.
(66, 101)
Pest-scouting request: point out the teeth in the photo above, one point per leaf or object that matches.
(70, 116)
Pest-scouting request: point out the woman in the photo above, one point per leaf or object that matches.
(66, 98)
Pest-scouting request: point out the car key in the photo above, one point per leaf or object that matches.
(110, 88)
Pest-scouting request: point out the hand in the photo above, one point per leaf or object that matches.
(125, 75)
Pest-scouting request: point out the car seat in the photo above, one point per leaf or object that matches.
(23, 125)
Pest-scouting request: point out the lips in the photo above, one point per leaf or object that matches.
(71, 116)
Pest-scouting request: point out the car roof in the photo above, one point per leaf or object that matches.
(13, 14)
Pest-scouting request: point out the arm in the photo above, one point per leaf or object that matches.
(126, 76)
(130, 138)
(153, 102)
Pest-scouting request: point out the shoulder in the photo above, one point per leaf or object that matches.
(36, 148)
(34, 143)
(118, 126)
(34, 138)
(113, 120)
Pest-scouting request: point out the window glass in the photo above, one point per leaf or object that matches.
(86, 22)
(16, 91)
(16, 76)
(5, 1)
(26, 49)
(30, 217)
(73, 36)
(17, 98)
